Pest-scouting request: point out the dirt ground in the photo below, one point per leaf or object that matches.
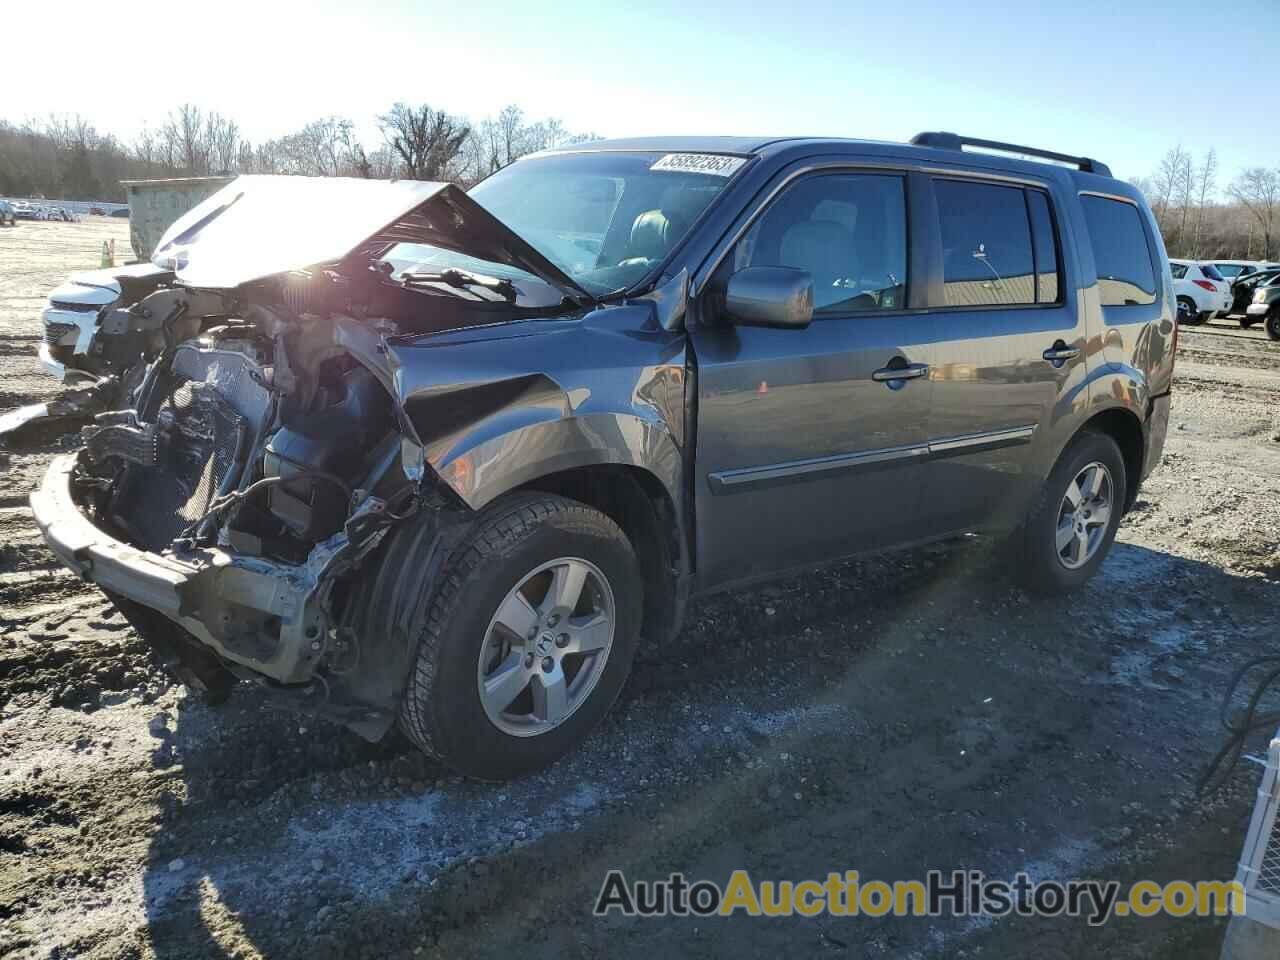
(891, 716)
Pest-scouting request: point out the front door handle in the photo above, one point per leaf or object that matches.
(898, 372)
(1060, 353)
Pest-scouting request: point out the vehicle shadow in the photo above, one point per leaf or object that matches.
(285, 836)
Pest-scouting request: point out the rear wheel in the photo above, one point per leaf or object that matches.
(1188, 313)
(1073, 522)
(528, 640)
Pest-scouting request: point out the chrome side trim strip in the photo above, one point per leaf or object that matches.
(754, 478)
(982, 441)
(772, 474)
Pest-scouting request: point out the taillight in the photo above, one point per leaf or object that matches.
(1206, 285)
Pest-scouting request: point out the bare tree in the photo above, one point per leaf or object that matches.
(1170, 185)
(221, 143)
(1258, 189)
(1206, 181)
(428, 142)
(498, 141)
(183, 134)
(144, 148)
(1146, 186)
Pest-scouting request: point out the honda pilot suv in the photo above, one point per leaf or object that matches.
(447, 459)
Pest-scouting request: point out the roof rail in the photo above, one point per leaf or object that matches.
(953, 141)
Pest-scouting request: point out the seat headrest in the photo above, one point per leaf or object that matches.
(814, 242)
(652, 235)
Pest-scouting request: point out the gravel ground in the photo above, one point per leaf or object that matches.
(892, 716)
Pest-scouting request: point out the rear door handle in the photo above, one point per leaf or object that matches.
(898, 371)
(1060, 353)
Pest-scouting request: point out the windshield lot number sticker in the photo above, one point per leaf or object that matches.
(714, 164)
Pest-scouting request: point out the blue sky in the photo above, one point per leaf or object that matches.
(1122, 82)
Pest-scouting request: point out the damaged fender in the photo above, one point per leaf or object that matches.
(543, 396)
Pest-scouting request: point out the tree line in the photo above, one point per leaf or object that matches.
(1183, 194)
(68, 158)
(64, 157)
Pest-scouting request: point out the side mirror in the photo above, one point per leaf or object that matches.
(770, 297)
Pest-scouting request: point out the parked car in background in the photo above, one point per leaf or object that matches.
(517, 437)
(1242, 294)
(1265, 306)
(26, 211)
(97, 212)
(1200, 289)
(122, 212)
(7, 214)
(1233, 270)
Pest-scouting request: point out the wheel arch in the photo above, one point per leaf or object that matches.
(1124, 427)
(639, 502)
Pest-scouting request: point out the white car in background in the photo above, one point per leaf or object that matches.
(1233, 270)
(1201, 291)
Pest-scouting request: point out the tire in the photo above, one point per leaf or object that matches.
(1040, 563)
(443, 711)
(1273, 324)
(1188, 312)
(1246, 324)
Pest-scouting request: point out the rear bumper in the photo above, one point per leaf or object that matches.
(260, 614)
(1157, 428)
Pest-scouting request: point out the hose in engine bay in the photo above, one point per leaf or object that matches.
(236, 496)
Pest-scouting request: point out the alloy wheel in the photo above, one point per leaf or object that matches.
(546, 647)
(1083, 515)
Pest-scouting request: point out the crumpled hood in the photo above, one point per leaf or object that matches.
(260, 226)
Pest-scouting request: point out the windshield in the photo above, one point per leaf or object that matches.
(605, 219)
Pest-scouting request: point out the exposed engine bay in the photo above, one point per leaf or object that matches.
(260, 451)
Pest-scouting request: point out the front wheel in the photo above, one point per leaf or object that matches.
(528, 641)
(1073, 522)
(1273, 324)
(1246, 324)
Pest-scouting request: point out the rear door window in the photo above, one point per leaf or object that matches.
(987, 257)
(1179, 270)
(1120, 251)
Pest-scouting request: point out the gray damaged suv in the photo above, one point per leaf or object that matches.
(448, 459)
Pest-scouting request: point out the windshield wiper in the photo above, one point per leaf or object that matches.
(452, 277)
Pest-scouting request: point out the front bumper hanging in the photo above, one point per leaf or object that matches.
(270, 617)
